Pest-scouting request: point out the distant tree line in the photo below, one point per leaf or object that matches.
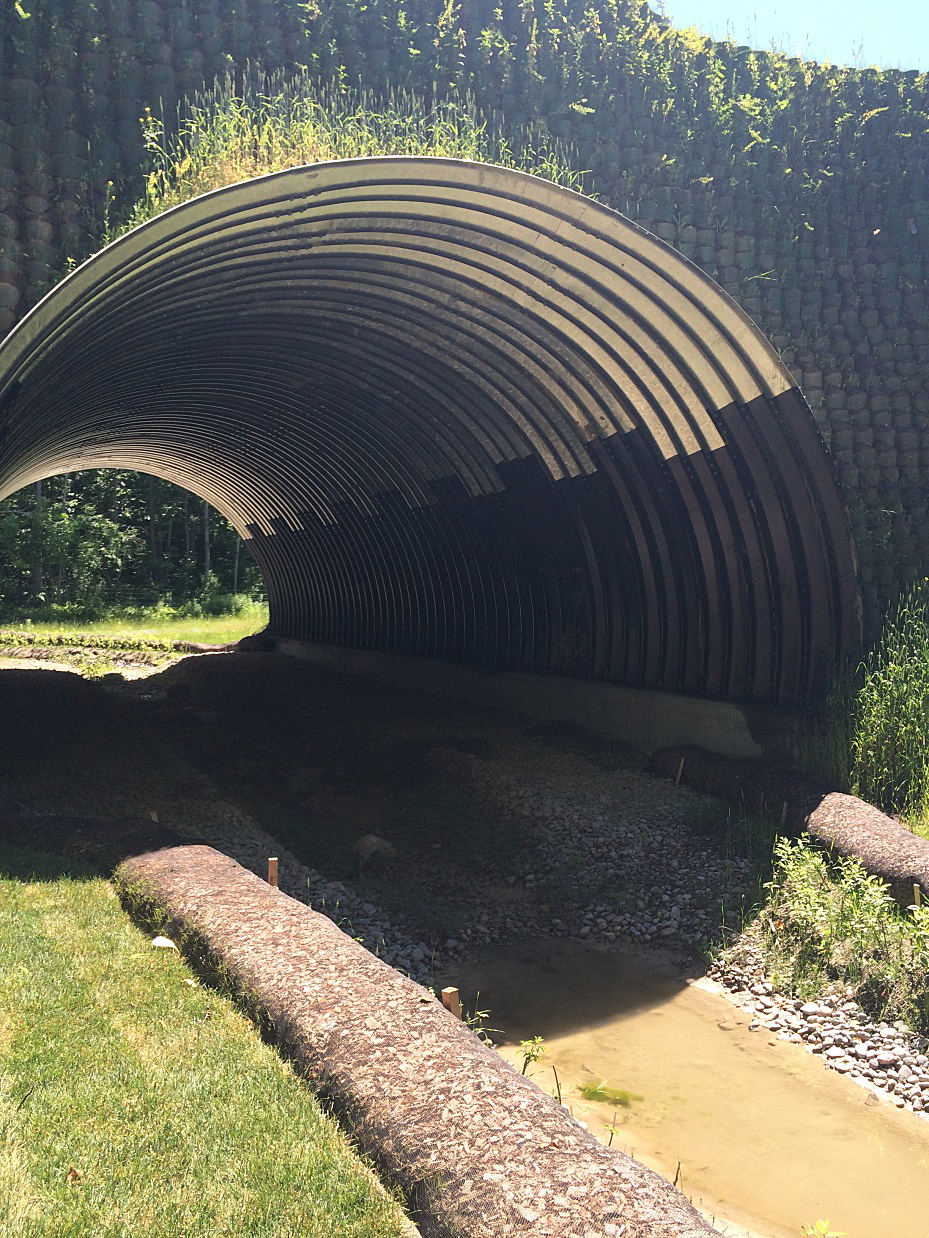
(91, 542)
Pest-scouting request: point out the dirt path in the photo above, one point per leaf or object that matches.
(95, 663)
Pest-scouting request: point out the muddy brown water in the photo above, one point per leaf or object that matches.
(762, 1137)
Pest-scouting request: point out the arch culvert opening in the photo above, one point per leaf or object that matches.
(460, 412)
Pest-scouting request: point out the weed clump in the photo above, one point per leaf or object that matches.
(827, 922)
(604, 1092)
(874, 733)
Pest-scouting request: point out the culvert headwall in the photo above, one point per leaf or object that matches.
(459, 412)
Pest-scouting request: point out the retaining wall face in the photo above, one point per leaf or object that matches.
(476, 1148)
(801, 189)
(848, 315)
(829, 255)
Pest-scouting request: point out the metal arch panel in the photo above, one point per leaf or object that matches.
(459, 411)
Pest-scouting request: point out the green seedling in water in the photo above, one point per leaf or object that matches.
(612, 1128)
(530, 1051)
(603, 1092)
(476, 1020)
(821, 1230)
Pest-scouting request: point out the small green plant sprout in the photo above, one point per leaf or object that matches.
(603, 1092)
(476, 1019)
(820, 1229)
(531, 1051)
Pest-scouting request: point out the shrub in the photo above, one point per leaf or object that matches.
(827, 920)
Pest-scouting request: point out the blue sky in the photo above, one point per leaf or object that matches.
(889, 33)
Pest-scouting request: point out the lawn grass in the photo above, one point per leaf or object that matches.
(134, 1102)
(156, 624)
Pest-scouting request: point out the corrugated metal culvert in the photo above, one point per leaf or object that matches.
(460, 412)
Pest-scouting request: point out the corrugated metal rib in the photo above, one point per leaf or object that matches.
(459, 411)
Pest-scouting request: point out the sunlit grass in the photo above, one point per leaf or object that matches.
(873, 738)
(890, 732)
(133, 1101)
(828, 921)
(235, 133)
(158, 624)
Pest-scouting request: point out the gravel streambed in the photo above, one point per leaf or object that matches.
(617, 831)
(613, 855)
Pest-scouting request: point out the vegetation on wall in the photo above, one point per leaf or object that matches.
(240, 130)
(803, 189)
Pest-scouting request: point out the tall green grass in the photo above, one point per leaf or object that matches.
(890, 722)
(873, 738)
(235, 132)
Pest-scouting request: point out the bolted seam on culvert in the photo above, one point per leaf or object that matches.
(458, 411)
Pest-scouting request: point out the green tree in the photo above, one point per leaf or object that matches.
(102, 539)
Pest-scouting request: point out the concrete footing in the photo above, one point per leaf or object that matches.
(645, 720)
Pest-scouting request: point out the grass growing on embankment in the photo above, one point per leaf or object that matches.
(159, 624)
(133, 1101)
(239, 131)
(873, 739)
(826, 921)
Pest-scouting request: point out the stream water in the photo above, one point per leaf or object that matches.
(761, 1136)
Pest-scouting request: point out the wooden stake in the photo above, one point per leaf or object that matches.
(680, 770)
(272, 871)
(451, 1000)
(784, 812)
(917, 895)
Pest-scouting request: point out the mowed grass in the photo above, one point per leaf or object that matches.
(158, 624)
(133, 1101)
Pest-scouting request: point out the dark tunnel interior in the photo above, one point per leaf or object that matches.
(459, 412)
